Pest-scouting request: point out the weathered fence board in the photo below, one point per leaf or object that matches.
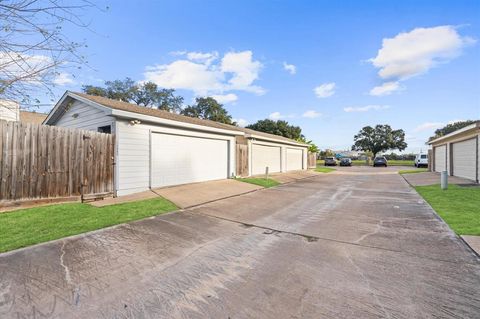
(39, 161)
(242, 160)
(312, 160)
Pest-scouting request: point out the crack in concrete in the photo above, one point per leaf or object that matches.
(309, 238)
(377, 229)
(62, 263)
(312, 238)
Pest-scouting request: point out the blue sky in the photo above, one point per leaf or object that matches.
(312, 63)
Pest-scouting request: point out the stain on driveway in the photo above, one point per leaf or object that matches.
(332, 246)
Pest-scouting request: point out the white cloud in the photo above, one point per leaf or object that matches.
(275, 116)
(292, 69)
(365, 108)
(29, 68)
(429, 126)
(325, 90)
(412, 53)
(187, 75)
(206, 58)
(199, 73)
(63, 79)
(225, 98)
(244, 71)
(241, 122)
(386, 88)
(311, 114)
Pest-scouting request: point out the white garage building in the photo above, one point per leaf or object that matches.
(458, 153)
(155, 148)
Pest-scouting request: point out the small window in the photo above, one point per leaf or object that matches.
(105, 129)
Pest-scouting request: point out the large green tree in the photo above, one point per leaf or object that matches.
(449, 128)
(280, 127)
(208, 108)
(378, 139)
(146, 94)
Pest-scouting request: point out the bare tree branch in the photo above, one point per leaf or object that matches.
(34, 49)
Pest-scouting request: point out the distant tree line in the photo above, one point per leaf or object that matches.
(449, 128)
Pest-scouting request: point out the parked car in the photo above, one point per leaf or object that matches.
(380, 161)
(421, 160)
(345, 161)
(330, 161)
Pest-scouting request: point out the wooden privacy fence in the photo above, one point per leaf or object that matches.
(312, 160)
(242, 160)
(39, 161)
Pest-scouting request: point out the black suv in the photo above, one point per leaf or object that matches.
(380, 161)
(345, 161)
(330, 161)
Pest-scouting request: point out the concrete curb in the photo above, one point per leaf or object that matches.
(474, 253)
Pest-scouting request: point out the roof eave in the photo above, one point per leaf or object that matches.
(154, 119)
(271, 139)
(462, 130)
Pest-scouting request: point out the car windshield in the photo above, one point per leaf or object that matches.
(423, 156)
(380, 158)
(329, 158)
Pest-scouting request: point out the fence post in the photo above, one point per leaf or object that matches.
(266, 173)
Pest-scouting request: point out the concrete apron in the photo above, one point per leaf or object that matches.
(195, 194)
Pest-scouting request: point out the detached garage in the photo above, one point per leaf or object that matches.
(155, 148)
(458, 153)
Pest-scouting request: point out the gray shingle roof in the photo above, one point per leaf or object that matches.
(129, 107)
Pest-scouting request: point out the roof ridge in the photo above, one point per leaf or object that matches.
(130, 107)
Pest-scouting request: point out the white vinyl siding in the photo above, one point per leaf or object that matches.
(265, 156)
(440, 158)
(87, 118)
(180, 159)
(465, 159)
(133, 153)
(294, 159)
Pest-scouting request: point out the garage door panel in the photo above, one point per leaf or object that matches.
(294, 159)
(464, 159)
(178, 159)
(440, 158)
(265, 156)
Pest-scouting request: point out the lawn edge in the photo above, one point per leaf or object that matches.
(91, 232)
(472, 251)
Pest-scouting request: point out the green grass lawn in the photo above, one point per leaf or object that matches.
(259, 181)
(458, 206)
(412, 171)
(31, 226)
(324, 169)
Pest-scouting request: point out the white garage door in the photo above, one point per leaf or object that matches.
(265, 156)
(178, 159)
(440, 158)
(294, 159)
(464, 159)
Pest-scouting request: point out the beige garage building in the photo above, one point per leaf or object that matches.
(458, 153)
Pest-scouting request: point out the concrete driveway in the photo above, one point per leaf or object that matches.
(357, 244)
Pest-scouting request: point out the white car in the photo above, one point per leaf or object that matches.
(421, 160)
